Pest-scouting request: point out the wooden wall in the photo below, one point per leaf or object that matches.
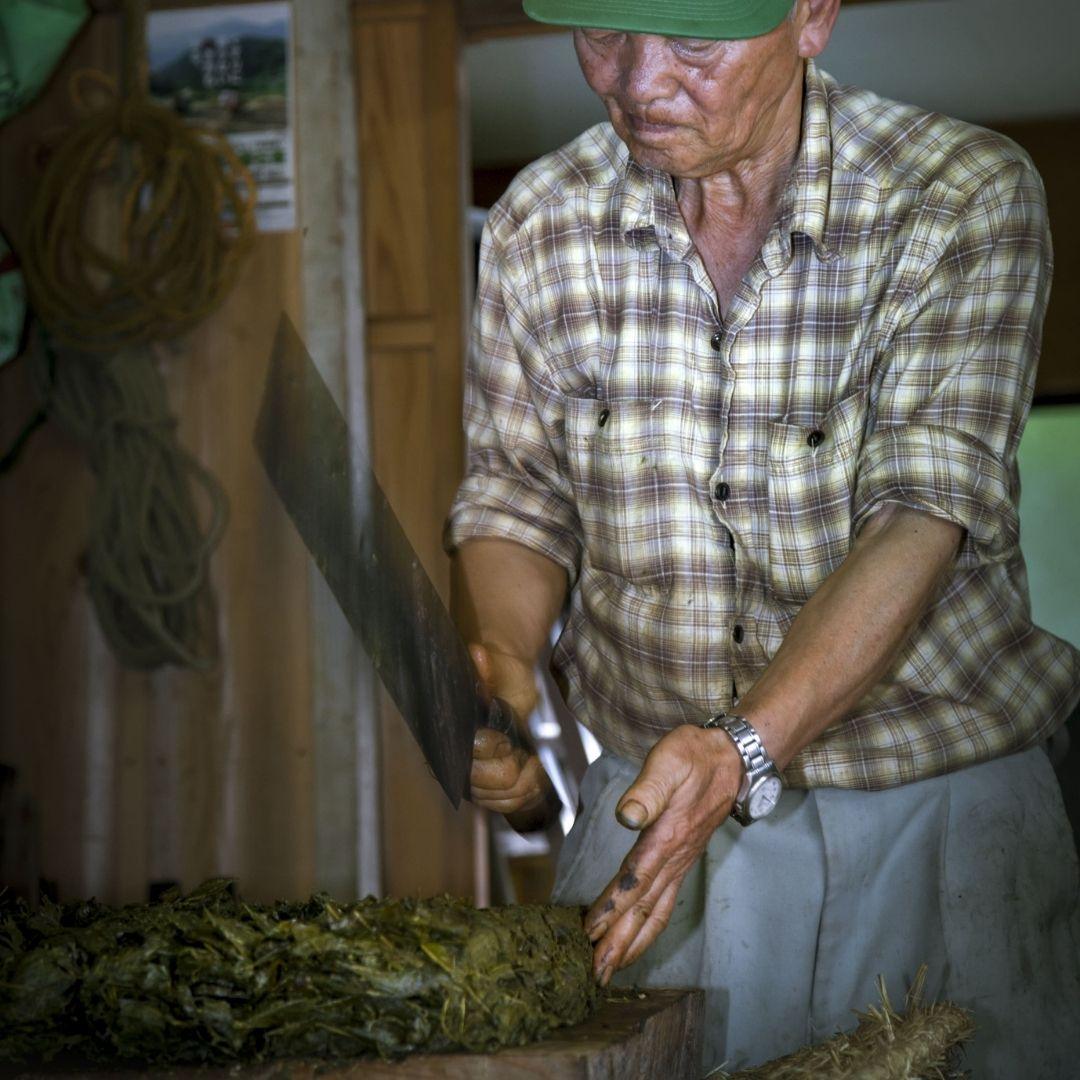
(173, 775)
(275, 768)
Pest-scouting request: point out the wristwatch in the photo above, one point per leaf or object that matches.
(762, 783)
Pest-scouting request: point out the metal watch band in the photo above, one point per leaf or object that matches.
(746, 739)
(755, 757)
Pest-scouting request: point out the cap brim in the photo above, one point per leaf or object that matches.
(721, 19)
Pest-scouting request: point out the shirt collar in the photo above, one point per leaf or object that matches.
(649, 213)
(804, 203)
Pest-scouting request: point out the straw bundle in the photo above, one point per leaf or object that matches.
(923, 1043)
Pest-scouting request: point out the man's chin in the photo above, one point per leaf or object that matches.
(652, 150)
(653, 157)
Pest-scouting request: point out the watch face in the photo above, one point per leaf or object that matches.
(765, 797)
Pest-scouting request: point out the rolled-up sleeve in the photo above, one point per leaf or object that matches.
(954, 385)
(515, 486)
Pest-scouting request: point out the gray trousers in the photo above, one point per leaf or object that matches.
(788, 923)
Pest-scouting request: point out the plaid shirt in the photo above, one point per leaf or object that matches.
(699, 478)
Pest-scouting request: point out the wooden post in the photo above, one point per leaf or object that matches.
(408, 56)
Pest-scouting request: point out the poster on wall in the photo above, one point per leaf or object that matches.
(228, 67)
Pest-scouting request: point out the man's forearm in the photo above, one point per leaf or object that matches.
(850, 631)
(506, 596)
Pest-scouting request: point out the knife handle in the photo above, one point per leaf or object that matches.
(502, 718)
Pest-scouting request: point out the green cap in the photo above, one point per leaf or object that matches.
(729, 19)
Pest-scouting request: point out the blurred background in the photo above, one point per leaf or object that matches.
(283, 763)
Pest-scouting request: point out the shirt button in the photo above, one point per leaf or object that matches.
(815, 438)
(722, 491)
(737, 634)
(602, 419)
(717, 340)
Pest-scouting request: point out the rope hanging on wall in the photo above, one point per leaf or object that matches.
(185, 221)
(186, 216)
(147, 556)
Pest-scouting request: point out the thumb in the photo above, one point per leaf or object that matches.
(646, 798)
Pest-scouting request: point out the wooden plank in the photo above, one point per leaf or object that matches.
(642, 1035)
(427, 846)
(447, 154)
(401, 385)
(344, 685)
(259, 716)
(634, 1035)
(45, 623)
(392, 10)
(410, 143)
(390, 67)
(410, 333)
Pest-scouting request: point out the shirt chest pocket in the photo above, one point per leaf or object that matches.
(811, 487)
(626, 464)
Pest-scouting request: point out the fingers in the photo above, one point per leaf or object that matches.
(654, 923)
(651, 858)
(635, 906)
(637, 928)
(499, 774)
(489, 743)
(509, 781)
(659, 850)
(507, 778)
(495, 769)
(680, 797)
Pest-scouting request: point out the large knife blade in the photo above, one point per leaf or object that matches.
(326, 483)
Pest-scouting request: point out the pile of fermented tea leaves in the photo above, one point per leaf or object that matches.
(208, 978)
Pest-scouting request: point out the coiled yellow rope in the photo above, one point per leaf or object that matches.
(186, 218)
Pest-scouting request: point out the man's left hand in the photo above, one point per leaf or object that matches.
(683, 793)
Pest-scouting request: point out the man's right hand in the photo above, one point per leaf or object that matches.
(504, 779)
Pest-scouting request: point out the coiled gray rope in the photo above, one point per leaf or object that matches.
(147, 553)
(185, 207)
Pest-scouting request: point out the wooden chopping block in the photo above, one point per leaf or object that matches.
(633, 1035)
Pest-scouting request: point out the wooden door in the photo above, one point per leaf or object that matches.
(412, 215)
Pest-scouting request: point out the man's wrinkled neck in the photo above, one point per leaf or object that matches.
(750, 189)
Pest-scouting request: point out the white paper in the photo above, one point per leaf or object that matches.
(229, 68)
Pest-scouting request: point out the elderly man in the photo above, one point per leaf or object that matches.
(749, 371)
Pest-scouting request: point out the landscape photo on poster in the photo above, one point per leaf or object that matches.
(228, 67)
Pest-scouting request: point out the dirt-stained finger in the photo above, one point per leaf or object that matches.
(611, 950)
(654, 925)
(644, 863)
